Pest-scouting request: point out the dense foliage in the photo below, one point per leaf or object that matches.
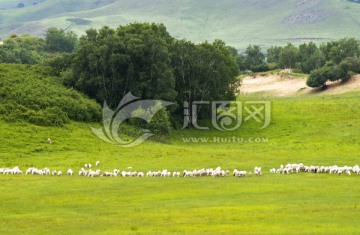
(28, 93)
(145, 60)
(26, 49)
(331, 61)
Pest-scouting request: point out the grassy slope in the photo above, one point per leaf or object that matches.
(235, 21)
(313, 129)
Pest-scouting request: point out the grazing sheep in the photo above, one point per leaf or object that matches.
(9, 171)
(97, 163)
(29, 170)
(188, 173)
(18, 172)
(107, 174)
(237, 173)
(54, 172)
(59, 173)
(164, 173)
(94, 173)
(70, 172)
(272, 171)
(46, 171)
(88, 165)
(257, 170)
(140, 174)
(83, 172)
(49, 141)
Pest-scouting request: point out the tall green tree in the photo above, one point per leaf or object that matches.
(336, 51)
(288, 56)
(273, 54)
(57, 40)
(134, 58)
(310, 57)
(204, 72)
(254, 57)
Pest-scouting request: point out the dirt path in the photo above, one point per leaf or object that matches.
(286, 85)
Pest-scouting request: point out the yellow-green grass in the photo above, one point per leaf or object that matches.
(313, 129)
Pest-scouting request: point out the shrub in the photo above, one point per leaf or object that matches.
(318, 77)
(28, 93)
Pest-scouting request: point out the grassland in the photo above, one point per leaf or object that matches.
(314, 129)
(238, 22)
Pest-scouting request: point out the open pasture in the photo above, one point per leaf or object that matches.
(313, 129)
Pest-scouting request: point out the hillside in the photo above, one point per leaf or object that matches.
(30, 93)
(238, 22)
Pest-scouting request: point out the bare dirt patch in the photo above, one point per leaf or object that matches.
(286, 85)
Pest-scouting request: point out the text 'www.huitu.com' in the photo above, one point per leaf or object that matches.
(232, 139)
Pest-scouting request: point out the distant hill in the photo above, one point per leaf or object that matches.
(238, 22)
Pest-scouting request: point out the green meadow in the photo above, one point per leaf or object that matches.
(315, 129)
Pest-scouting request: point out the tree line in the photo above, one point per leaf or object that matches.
(331, 61)
(143, 58)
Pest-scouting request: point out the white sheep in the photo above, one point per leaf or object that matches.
(97, 163)
(88, 165)
(257, 170)
(59, 173)
(107, 174)
(9, 171)
(46, 171)
(29, 171)
(54, 172)
(94, 173)
(188, 173)
(49, 141)
(70, 172)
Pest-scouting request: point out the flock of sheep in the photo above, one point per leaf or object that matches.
(86, 171)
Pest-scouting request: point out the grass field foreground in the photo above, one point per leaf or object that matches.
(314, 130)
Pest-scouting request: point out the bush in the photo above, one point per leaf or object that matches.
(351, 64)
(317, 78)
(160, 122)
(260, 68)
(28, 93)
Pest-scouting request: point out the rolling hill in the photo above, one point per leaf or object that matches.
(238, 22)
